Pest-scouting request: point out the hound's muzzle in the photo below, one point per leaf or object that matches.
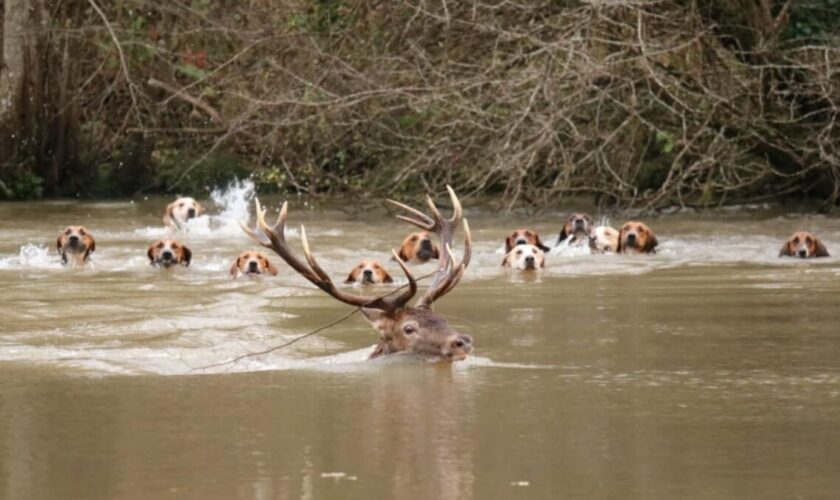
(426, 251)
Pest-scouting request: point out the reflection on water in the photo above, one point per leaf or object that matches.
(706, 371)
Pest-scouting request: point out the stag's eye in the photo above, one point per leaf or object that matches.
(409, 329)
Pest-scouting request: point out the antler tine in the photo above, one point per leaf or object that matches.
(403, 298)
(309, 258)
(425, 221)
(449, 276)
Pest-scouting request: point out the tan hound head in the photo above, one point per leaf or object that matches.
(168, 253)
(75, 244)
(418, 248)
(524, 258)
(603, 239)
(577, 228)
(180, 211)
(636, 237)
(252, 264)
(369, 272)
(803, 245)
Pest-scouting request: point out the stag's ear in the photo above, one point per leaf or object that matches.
(187, 256)
(820, 251)
(539, 244)
(271, 269)
(787, 250)
(234, 269)
(378, 318)
(509, 243)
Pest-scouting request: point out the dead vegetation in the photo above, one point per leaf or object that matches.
(643, 104)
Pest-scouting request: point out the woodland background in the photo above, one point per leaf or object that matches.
(643, 104)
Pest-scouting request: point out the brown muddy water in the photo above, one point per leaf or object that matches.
(709, 370)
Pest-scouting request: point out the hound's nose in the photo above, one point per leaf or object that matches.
(426, 244)
(802, 253)
(73, 239)
(252, 267)
(579, 223)
(166, 255)
(367, 274)
(631, 239)
(521, 241)
(191, 213)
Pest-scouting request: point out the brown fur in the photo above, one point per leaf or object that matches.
(418, 330)
(181, 255)
(530, 237)
(805, 241)
(242, 265)
(412, 248)
(80, 252)
(378, 273)
(645, 239)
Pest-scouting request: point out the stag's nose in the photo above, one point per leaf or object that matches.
(460, 345)
(253, 267)
(191, 213)
(802, 253)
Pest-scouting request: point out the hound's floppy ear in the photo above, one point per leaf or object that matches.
(620, 239)
(386, 277)
(187, 255)
(539, 244)
(92, 246)
(402, 255)
(786, 250)
(820, 251)
(167, 217)
(509, 243)
(151, 254)
(271, 269)
(506, 260)
(650, 246)
(234, 268)
(58, 244)
(436, 252)
(351, 278)
(563, 235)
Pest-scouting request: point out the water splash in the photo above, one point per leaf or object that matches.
(31, 256)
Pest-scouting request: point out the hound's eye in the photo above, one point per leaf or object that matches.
(808, 240)
(642, 229)
(160, 245)
(181, 204)
(626, 227)
(68, 231)
(796, 241)
(82, 232)
(409, 329)
(174, 246)
(519, 252)
(413, 238)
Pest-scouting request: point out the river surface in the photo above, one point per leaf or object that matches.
(710, 370)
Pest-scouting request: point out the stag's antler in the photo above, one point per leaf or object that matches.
(449, 273)
(274, 237)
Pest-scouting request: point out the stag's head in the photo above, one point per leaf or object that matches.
(402, 328)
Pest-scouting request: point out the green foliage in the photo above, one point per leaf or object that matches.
(22, 186)
(814, 20)
(190, 171)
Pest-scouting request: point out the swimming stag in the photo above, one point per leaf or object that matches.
(402, 328)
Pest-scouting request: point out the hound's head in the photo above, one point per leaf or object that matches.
(180, 211)
(369, 272)
(524, 237)
(524, 257)
(603, 239)
(577, 228)
(419, 248)
(252, 264)
(75, 244)
(636, 237)
(168, 253)
(803, 245)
